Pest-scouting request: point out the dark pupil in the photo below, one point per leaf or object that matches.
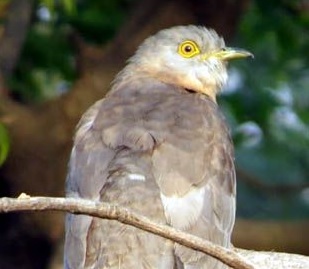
(188, 48)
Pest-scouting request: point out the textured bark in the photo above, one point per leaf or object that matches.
(123, 215)
(237, 258)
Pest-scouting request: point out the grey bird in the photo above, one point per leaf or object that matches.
(158, 145)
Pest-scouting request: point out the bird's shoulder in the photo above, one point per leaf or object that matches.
(158, 118)
(142, 116)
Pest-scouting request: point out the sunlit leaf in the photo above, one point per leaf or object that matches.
(4, 144)
(69, 6)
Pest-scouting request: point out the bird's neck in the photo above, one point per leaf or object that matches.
(132, 76)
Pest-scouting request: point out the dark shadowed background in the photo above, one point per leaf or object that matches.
(58, 57)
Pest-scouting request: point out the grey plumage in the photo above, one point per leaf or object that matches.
(160, 150)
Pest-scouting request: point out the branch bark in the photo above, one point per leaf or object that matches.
(235, 259)
(123, 215)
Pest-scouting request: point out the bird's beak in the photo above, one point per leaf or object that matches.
(228, 54)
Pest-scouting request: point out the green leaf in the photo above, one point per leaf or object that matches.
(69, 6)
(4, 144)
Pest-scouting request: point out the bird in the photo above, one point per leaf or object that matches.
(159, 145)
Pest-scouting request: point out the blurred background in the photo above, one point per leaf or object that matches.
(58, 57)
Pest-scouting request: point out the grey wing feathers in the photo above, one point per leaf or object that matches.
(199, 155)
(89, 158)
(87, 168)
(111, 162)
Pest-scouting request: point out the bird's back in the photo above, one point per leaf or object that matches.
(137, 148)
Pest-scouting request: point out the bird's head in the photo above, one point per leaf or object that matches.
(191, 57)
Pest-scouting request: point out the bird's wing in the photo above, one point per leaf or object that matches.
(86, 177)
(111, 162)
(194, 168)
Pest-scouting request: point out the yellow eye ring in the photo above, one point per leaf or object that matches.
(188, 49)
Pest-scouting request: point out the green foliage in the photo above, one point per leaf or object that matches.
(4, 144)
(274, 94)
(47, 66)
(97, 21)
(68, 6)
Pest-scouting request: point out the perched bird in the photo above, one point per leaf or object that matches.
(158, 145)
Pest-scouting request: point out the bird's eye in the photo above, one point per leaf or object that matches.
(188, 49)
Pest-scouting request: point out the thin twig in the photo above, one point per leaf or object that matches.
(123, 215)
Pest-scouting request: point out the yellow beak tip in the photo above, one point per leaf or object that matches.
(233, 53)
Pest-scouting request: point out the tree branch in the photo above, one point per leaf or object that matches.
(123, 215)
